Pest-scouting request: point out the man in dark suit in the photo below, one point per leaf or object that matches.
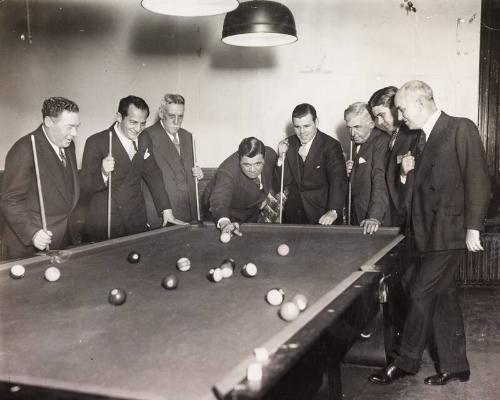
(315, 172)
(241, 185)
(449, 187)
(370, 200)
(173, 152)
(130, 162)
(23, 234)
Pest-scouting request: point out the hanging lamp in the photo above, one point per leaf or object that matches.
(190, 8)
(259, 23)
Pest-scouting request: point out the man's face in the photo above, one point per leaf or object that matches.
(63, 129)
(172, 117)
(360, 127)
(410, 110)
(134, 123)
(305, 128)
(252, 166)
(386, 118)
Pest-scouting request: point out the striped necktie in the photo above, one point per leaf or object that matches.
(177, 143)
(62, 155)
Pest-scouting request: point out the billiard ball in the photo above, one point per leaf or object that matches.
(289, 311)
(170, 282)
(117, 296)
(275, 296)
(183, 264)
(133, 257)
(17, 271)
(254, 371)
(249, 270)
(214, 275)
(261, 355)
(227, 267)
(225, 237)
(300, 301)
(52, 274)
(283, 250)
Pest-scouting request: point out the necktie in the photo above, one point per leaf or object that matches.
(63, 156)
(257, 182)
(131, 151)
(421, 143)
(177, 144)
(135, 145)
(303, 152)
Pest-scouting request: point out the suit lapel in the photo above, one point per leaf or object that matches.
(431, 146)
(186, 146)
(167, 150)
(313, 156)
(120, 154)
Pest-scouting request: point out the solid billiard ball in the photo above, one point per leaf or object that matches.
(275, 296)
(289, 311)
(261, 355)
(183, 264)
(215, 275)
(283, 250)
(17, 271)
(249, 270)
(225, 237)
(117, 296)
(170, 282)
(52, 274)
(133, 257)
(227, 267)
(300, 301)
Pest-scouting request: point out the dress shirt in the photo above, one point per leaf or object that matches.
(304, 148)
(56, 148)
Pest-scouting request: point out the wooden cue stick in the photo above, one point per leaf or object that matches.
(39, 186)
(350, 189)
(110, 154)
(196, 182)
(281, 187)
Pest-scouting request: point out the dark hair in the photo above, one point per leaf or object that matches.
(250, 147)
(54, 106)
(136, 101)
(304, 109)
(383, 97)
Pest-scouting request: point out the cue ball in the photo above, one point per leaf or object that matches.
(300, 301)
(170, 282)
(283, 250)
(17, 271)
(183, 264)
(225, 237)
(275, 296)
(52, 274)
(249, 270)
(227, 267)
(289, 311)
(117, 296)
(133, 257)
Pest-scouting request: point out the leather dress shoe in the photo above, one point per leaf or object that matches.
(387, 375)
(443, 378)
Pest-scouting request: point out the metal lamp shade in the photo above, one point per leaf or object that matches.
(259, 23)
(190, 8)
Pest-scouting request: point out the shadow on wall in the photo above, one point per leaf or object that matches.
(234, 57)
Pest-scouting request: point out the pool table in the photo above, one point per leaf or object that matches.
(64, 340)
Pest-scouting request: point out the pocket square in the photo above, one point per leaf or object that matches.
(399, 158)
(318, 166)
(361, 160)
(146, 154)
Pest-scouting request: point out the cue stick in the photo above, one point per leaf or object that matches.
(110, 154)
(281, 186)
(350, 188)
(39, 186)
(196, 182)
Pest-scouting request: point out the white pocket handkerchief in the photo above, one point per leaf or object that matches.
(361, 160)
(318, 166)
(146, 154)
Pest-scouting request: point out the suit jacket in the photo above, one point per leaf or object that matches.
(451, 187)
(319, 184)
(370, 198)
(405, 141)
(233, 195)
(128, 211)
(20, 201)
(178, 179)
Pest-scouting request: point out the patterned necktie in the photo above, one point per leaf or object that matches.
(63, 156)
(131, 152)
(303, 152)
(177, 143)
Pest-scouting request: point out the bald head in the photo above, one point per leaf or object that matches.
(415, 103)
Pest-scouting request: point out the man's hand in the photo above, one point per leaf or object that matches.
(370, 225)
(473, 241)
(407, 164)
(282, 147)
(197, 173)
(108, 165)
(41, 239)
(328, 218)
(349, 164)
(233, 228)
(168, 217)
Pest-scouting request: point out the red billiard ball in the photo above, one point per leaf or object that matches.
(225, 237)
(52, 274)
(249, 270)
(289, 311)
(17, 271)
(227, 267)
(117, 296)
(214, 275)
(170, 282)
(133, 257)
(283, 250)
(275, 296)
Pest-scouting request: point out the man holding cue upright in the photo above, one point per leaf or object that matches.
(20, 202)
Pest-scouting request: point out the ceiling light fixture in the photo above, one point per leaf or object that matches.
(190, 8)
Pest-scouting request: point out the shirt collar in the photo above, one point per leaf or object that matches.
(431, 121)
(56, 148)
(172, 137)
(127, 142)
